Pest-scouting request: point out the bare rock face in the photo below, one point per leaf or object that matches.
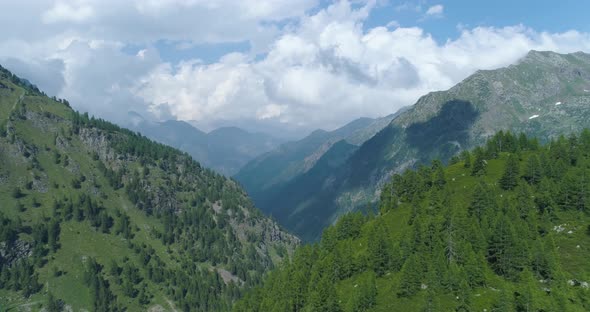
(97, 141)
(10, 253)
(274, 233)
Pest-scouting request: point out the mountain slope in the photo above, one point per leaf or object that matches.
(224, 150)
(96, 217)
(543, 95)
(505, 228)
(270, 175)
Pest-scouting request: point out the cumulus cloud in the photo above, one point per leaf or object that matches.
(435, 10)
(312, 70)
(77, 12)
(330, 70)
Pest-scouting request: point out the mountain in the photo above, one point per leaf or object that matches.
(280, 130)
(98, 218)
(224, 150)
(504, 228)
(544, 95)
(284, 172)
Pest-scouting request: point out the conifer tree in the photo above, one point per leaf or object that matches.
(482, 201)
(479, 164)
(378, 250)
(505, 303)
(509, 179)
(53, 234)
(466, 156)
(411, 276)
(525, 297)
(439, 177)
(473, 266)
(533, 171)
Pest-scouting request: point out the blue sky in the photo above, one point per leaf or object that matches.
(301, 64)
(541, 15)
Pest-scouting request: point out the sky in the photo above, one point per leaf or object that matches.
(271, 64)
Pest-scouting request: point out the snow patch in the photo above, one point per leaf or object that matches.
(533, 117)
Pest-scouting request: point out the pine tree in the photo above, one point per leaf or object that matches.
(53, 234)
(505, 303)
(482, 201)
(479, 164)
(509, 179)
(411, 276)
(439, 180)
(533, 171)
(526, 299)
(326, 297)
(473, 266)
(464, 295)
(378, 250)
(466, 156)
(365, 294)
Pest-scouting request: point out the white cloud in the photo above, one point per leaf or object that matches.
(78, 11)
(393, 24)
(321, 70)
(435, 10)
(329, 70)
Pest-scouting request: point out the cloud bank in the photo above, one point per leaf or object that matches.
(308, 66)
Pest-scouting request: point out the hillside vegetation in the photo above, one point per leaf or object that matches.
(298, 171)
(95, 217)
(544, 95)
(505, 227)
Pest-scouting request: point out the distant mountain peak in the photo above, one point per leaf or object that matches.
(135, 118)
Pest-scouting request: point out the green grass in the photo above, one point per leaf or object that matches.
(79, 241)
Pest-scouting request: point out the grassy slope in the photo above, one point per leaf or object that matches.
(46, 120)
(574, 260)
(78, 240)
(572, 249)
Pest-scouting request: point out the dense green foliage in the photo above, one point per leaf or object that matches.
(97, 217)
(508, 232)
(438, 126)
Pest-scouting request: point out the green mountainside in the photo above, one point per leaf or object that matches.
(544, 95)
(94, 217)
(224, 150)
(287, 170)
(505, 227)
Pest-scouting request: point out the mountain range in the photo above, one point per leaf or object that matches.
(224, 150)
(545, 94)
(98, 217)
